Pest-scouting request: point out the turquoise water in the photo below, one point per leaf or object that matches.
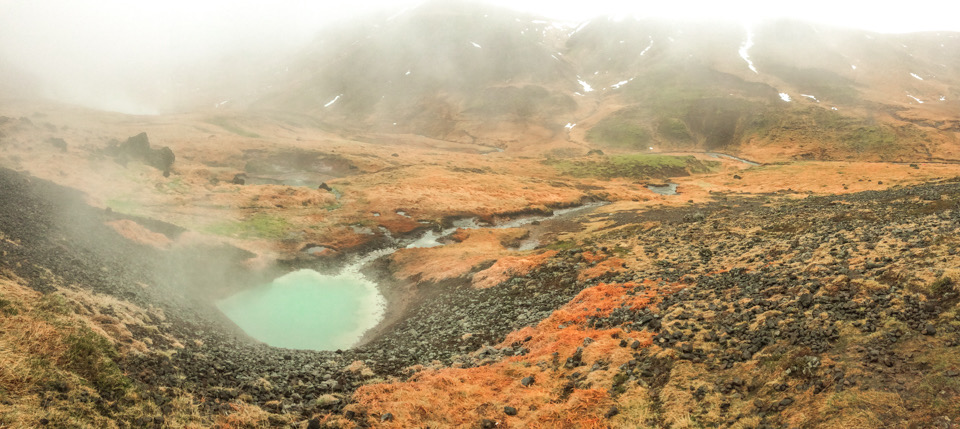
(307, 310)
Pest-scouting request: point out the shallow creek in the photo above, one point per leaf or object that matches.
(305, 309)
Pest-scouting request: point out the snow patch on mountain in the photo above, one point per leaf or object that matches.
(745, 50)
(621, 83)
(647, 48)
(330, 103)
(586, 86)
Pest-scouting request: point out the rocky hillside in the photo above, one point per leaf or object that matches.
(777, 90)
(825, 312)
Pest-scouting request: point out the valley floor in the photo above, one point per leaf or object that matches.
(798, 294)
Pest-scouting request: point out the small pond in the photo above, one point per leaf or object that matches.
(667, 189)
(307, 310)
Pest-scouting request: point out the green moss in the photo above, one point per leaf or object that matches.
(860, 135)
(637, 166)
(620, 130)
(673, 129)
(124, 205)
(53, 304)
(868, 139)
(8, 308)
(92, 357)
(175, 186)
(257, 226)
(561, 245)
(942, 286)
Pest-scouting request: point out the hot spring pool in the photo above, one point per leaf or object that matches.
(307, 310)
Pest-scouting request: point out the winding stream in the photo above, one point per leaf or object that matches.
(305, 309)
(723, 155)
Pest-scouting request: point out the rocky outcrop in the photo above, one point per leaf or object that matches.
(137, 148)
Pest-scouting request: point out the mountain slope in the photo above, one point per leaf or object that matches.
(777, 90)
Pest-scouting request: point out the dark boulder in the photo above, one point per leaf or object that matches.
(137, 148)
(806, 300)
(161, 159)
(613, 411)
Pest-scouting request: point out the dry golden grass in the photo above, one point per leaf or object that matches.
(612, 265)
(635, 408)
(508, 267)
(138, 234)
(244, 416)
(850, 409)
(54, 362)
(473, 247)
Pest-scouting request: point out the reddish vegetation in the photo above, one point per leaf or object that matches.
(612, 265)
(509, 266)
(135, 232)
(471, 248)
(460, 397)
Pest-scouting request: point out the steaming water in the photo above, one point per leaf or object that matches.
(669, 189)
(435, 238)
(308, 310)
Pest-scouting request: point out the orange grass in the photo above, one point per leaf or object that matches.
(461, 397)
(453, 260)
(612, 265)
(507, 267)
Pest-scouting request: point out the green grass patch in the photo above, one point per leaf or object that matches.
(124, 205)
(674, 129)
(859, 135)
(52, 305)
(618, 133)
(175, 186)
(561, 245)
(637, 166)
(622, 129)
(8, 307)
(93, 358)
(257, 226)
(942, 286)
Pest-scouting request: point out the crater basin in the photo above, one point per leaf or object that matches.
(305, 309)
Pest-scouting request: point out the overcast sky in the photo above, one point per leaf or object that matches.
(76, 42)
